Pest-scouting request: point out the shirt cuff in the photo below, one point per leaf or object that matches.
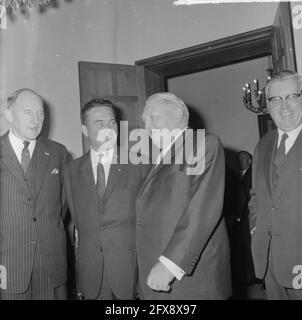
(172, 267)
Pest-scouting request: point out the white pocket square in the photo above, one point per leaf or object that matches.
(55, 171)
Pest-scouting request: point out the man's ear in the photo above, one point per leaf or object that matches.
(9, 115)
(179, 115)
(84, 130)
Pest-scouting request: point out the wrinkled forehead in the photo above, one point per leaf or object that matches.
(157, 106)
(284, 86)
(101, 112)
(29, 100)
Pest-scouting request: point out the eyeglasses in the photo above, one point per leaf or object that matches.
(290, 99)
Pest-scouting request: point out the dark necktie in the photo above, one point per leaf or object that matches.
(25, 156)
(100, 182)
(280, 153)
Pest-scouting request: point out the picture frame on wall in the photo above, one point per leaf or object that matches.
(265, 124)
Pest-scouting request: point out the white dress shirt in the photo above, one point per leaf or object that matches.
(18, 145)
(170, 265)
(292, 136)
(105, 160)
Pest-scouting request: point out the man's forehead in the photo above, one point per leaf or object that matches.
(157, 107)
(100, 111)
(28, 98)
(291, 83)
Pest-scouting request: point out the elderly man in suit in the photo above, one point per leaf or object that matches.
(32, 235)
(182, 241)
(102, 190)
(276, 206)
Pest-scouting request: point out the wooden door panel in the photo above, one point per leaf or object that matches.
(116, 82)
(283, 53)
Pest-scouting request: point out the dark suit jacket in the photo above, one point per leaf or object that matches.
(245, 185)
(30, 213)
(106, 232)
(179, 217)
(277, 215)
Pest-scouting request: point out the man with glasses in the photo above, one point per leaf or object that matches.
(276, 203)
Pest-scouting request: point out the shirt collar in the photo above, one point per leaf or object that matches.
(292, 134)
(106, 158)
(17, 143)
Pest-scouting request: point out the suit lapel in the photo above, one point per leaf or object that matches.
(292, 162)
(270, 148)
(41, 157)
(9, 158)
(87, 173)
(168, 158)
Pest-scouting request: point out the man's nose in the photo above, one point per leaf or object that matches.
(284, 104)
(35, 118)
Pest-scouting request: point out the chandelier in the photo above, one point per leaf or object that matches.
(12, 6)
(259, 96)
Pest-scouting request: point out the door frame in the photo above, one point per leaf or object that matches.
(229, 50)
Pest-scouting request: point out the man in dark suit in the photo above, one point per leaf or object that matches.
(102, 195)
(275, 218)
(32, 235)
(182, 242)
(240, 238)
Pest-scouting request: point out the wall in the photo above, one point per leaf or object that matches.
(41, 51)
(151, 27)
(216, 97)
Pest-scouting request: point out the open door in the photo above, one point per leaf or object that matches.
(122, 84)
(283, 52)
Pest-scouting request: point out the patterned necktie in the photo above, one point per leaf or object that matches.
(280, 153)
(25, 156)
(100, 182)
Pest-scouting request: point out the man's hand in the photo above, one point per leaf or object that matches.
(159, 278)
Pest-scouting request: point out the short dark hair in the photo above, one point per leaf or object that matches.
(243, 152)
(98, 102)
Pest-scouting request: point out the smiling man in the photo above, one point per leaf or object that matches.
(32, 235)
(276, 206)
(102, 195)
(182, 242)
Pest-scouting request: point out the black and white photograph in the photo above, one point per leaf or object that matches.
(150, 153)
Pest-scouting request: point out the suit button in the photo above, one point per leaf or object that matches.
(34, 219)
(101, 249)
(102, 228)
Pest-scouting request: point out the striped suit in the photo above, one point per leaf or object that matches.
(32, 234)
